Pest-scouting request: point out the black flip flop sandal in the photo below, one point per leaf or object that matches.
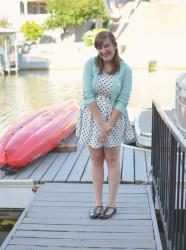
(107, 213)
(96, 212)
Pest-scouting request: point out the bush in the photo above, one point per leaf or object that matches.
(89, 36)
(32, 31)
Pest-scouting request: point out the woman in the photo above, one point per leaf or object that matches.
(101, 124)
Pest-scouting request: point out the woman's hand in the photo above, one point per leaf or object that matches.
(102, 137)
(105, 127)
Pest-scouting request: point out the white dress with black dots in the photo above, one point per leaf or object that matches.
(87, 129)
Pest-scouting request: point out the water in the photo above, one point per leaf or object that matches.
(30, 90)
(5, 227)
(8, 218)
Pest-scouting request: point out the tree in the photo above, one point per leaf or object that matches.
(64, 13)
(32, 31)
(89, 36)
(4, 23)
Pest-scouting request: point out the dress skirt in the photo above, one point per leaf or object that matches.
(87, 129)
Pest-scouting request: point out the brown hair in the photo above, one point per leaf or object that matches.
(99, 40)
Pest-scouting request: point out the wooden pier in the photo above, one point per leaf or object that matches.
(57, 218)
(76, 166)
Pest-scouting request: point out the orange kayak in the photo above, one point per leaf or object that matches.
(38, 134)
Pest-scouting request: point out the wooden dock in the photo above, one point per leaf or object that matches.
(57, 218)
(76, 166)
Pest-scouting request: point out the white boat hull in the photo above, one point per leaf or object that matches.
(143, 127)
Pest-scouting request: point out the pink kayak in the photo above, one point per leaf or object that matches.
(38, 134)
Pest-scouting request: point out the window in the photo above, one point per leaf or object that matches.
(43, 8)
(22, 8)
(36, 8)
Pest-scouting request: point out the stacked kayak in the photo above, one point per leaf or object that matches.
(38, 134)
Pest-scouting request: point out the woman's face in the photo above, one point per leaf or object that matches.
(107, 50)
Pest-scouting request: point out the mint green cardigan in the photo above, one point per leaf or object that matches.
(120, 90)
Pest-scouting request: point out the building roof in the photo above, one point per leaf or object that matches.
(7, 31)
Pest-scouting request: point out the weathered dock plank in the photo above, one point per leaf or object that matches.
(54, 225)
(68, 165)
(128, 165)
(148, 164)
(12, 247)
(87, 174)
(26, 172)
(55, 167)
(140, 166)
(79, 167)
(62, 221)
(63, 243)
(79, 235)
(43, 167)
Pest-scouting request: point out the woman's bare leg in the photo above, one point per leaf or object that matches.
(97, 159)
(112, 156)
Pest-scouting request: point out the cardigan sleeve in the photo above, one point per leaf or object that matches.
(88, 94)
(123, 97)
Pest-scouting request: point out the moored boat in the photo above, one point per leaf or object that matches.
(143, 127)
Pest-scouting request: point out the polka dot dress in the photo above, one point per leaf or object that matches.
(87, 129)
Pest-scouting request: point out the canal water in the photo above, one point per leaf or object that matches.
(28, 91)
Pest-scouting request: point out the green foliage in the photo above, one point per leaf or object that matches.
(89, 36)
(76, 12)
(32, 31)
(4, 23)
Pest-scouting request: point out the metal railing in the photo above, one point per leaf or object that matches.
(168, 184)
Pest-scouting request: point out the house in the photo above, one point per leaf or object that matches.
(18, 12)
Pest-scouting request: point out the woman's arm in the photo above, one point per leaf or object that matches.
(94, 110)
(123, 97)
(115, 115)
(88, 94)
(104, 127)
